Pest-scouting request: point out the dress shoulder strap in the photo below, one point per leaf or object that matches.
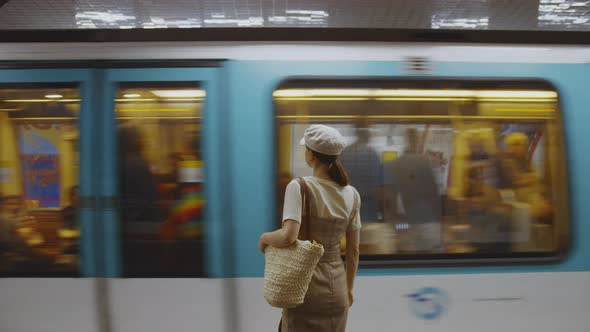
(305, 210)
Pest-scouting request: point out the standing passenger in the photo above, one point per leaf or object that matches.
(364, 168)
(335, 214)
(411, 177)
(139, 205)
(137, 184)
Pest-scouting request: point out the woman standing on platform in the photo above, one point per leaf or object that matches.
(335, 214)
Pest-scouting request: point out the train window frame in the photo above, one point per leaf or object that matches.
(558, 255)
(83, 200)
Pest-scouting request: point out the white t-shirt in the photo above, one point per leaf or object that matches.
(331, 200)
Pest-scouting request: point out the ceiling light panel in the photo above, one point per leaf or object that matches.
(414, 14)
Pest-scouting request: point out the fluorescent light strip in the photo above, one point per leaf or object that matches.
(519, 100)
(159, 117)
(77, 100)
(46, 119)
(41, 100)
(323, 92)
(434, 117)
(325, 99)
(340, 92)
(425, 99)
(523, 110)
(424, 93)
(179, 93)
(491, 94)
(183, 99)
(134, 100)
(517, 94)
(156, 110)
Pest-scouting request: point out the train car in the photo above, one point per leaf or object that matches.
(136, 178)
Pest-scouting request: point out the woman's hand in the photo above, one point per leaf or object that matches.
(350, 298)
(261, 244)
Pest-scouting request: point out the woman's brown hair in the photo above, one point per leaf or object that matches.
(335, 169)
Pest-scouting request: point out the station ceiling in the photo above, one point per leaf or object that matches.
(522, 15)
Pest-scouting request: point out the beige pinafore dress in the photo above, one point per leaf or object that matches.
(325, 307)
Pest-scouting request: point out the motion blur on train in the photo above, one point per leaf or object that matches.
(471, 178)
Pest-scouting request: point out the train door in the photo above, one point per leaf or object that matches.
(162, 188)
(47, 197)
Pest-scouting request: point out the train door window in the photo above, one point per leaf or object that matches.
(39, 176)
(446, 169)
(161, 178)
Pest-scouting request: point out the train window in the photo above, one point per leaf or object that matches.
(161, 178)
(448, 170)
(39, 170)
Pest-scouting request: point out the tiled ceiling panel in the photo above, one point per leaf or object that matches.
(411, 14)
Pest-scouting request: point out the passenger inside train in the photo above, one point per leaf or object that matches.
(364, 169)
(161, 180)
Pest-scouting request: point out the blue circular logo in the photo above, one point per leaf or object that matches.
(428, 303)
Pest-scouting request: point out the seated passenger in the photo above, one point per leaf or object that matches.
(516, 173)
(18, 230)
(490, 222)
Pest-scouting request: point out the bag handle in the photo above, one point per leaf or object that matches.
(305, 209)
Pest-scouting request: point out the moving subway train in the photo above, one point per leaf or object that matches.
(133, 192)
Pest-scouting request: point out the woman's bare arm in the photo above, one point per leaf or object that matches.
(281, 238)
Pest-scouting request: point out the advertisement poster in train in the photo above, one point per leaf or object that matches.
(40, 163)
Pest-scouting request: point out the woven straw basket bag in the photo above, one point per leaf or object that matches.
(288, 271)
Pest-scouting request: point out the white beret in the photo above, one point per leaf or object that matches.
(324, 139)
